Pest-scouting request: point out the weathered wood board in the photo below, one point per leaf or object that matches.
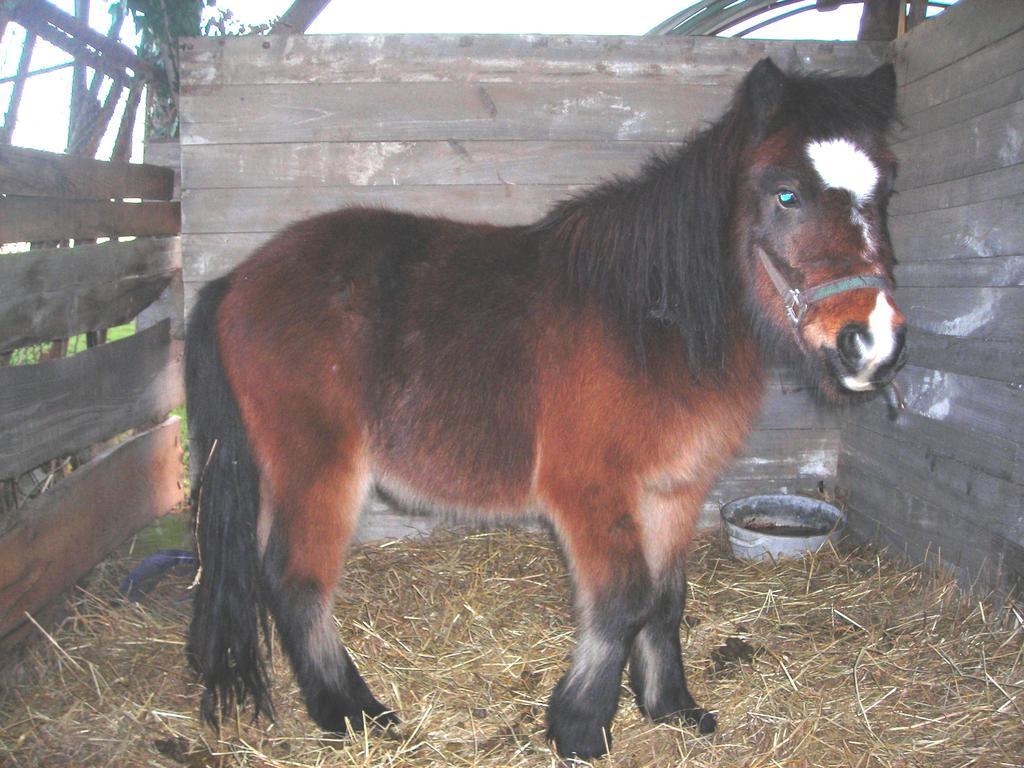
(49, 174)
(60, 535)
(427, 58)
(57, 293)
(56, 408)
(34, 219)
(947, 476)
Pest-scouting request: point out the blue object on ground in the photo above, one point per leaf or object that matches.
(148, 573)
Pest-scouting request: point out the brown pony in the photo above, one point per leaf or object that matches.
(598, 368)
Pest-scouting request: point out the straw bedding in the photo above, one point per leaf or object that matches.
(840, 659)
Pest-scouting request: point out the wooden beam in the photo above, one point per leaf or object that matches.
(35, 13)
(123, 141)
(94, 119)
(299, 16)
(11, 116)
(37, 219)
(33, 172)
(58, 292)
(60, 535)
(59, 407)
(69, 45)
(879, 20)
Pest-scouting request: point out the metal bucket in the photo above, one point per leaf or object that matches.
(780, 525)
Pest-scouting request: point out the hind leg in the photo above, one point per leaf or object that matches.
(612, 592)
(656, 672)
(305, 527)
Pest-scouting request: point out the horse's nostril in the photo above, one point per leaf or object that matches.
(851, 342)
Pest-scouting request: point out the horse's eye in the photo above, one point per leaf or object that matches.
(788, 198)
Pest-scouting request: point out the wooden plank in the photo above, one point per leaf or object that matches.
(959, 32)
(504, 58)
(208, 211)
(988, 313)
(978, 273)
(56, 408)
(402, 163)
(33, 219)
(793, 453)
(994, 455)
(32, 172)
(977, 230)
(209, 256)
(60, 292)
(378, 521)
(998, 360)
(979, 558)
(988, 98)
(251, 114)
(60, 535)
(971, 74)
(944, 479)
(990, 185)
(965, 402)
(984, 143)
(887, 514)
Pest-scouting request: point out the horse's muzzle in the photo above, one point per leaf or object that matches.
(863, 363)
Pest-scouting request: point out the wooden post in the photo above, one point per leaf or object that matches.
(299, 16)
(879, 20)
(123, 143)
(918, 13)
(11, 116)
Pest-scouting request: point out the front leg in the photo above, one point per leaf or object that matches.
(584, 702)
(613, 602)
(656, 672)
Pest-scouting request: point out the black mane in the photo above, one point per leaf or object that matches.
(653, 249)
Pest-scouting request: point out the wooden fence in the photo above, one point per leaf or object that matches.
(109, 402)
(948, 477)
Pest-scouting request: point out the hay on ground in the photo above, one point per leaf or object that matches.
(839, 659)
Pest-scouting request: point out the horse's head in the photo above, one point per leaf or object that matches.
(810, 225)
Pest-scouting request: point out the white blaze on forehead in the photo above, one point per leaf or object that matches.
(880, 346)
(843, 165)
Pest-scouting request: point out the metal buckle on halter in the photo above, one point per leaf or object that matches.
(796, 307)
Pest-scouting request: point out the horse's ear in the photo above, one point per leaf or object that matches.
(882, 84)
(762, 91)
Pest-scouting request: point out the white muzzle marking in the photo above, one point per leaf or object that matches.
(880, 345)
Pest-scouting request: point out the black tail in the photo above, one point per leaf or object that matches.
(229, 612)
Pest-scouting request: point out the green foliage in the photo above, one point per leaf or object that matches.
(161, 23)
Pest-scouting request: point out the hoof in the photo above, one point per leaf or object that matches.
(704, 720)
(579, 740)
(374, 717)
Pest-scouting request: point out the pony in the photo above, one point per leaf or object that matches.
(598, 368)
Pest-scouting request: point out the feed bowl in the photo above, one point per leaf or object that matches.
(780, 525)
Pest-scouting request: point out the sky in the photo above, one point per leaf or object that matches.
(43, 118)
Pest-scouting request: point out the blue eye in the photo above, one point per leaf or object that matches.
(788, 198)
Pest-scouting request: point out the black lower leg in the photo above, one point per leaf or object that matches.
(336, 695)
(583, 703)
(656, 672)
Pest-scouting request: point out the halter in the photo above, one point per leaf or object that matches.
(796, 301)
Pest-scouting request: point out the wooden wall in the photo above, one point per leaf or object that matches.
(949, 475)
(475, 127)
(86, 404)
